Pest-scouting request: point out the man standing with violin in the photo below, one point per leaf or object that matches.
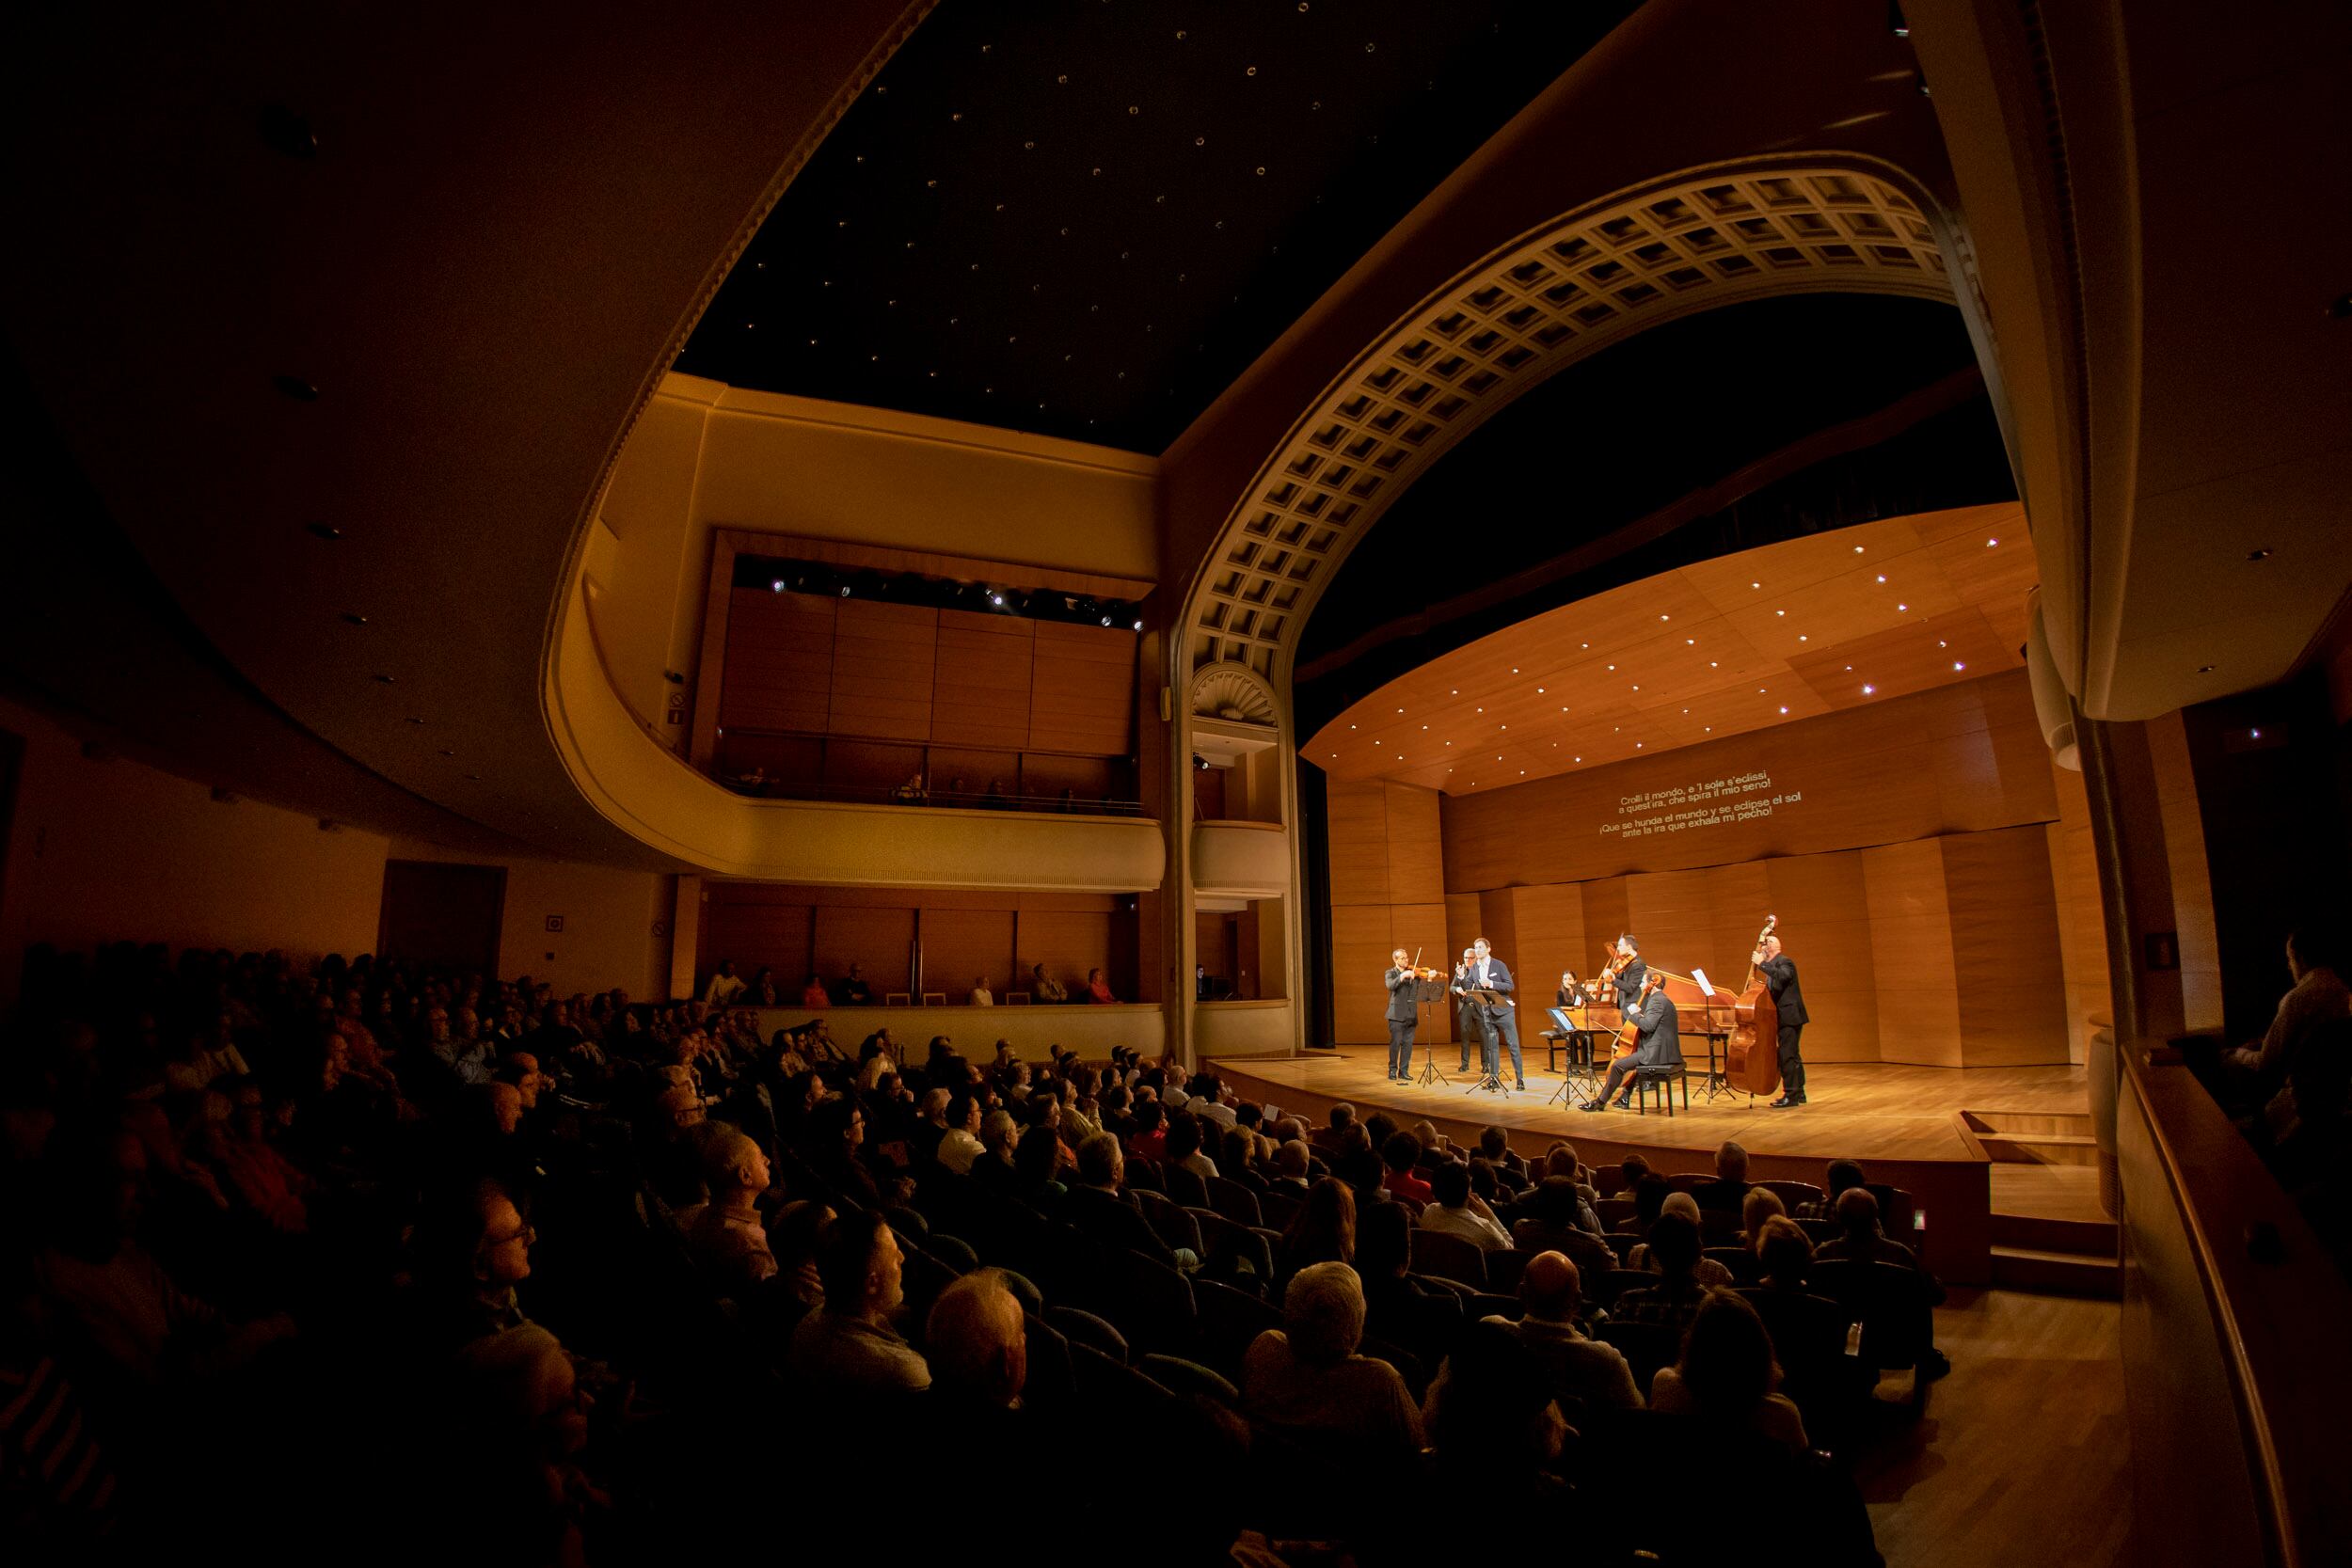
(1779, 974)
(1658, 1044)
(1403, 983)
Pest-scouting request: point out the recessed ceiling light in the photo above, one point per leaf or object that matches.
(1958, 665)
(1637, 745)
(1515, 669)
(1690, 641)
(1351, 726)
(1867, 689)
(1711, 664)
(1584, 644)
(1612, 667)
(324, 530)
(1857, 549)
(1424, 726)
(1756, 585)
(1882, 576)
(384, 679)
(1990, 543)
(1802, 637)
(1665, 617)
(1780, 612)
(1539, 692)
(1902, 606)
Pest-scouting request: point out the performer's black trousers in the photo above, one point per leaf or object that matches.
(1792, 1064)
(1401, 1047)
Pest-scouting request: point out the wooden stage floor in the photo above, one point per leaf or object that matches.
(1903, 1123)
(1854, 1110)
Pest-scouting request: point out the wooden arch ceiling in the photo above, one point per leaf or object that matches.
(1702, 239)
(1770, 636)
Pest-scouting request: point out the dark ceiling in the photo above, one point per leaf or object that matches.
(1746, 392)
(1085, 219)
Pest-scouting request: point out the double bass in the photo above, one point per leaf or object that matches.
(1746, 1066)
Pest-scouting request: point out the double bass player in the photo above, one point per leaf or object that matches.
(1779, 974)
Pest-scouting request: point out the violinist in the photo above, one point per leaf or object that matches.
(1779, 974)
(1403, 982)
(1660, 1043)
(1627, 972)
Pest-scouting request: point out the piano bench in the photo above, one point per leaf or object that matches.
(1663, 1079)
(1577, 1043)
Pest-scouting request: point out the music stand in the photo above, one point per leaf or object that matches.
(1717, 1083)
(1579, 1074)
(1425, 992)
(1493, 1075)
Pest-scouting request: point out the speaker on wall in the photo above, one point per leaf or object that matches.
(2052, 707)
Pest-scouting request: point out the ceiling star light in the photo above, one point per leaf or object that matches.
(1868, 689)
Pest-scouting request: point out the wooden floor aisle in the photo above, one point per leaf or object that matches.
(2022, 1455)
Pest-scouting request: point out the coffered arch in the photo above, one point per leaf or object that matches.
(1706, 237)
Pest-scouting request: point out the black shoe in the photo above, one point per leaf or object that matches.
(1625, 1104)
(1592, 1105)
(1520, 1087)
(1785, 1103)
(1934, 1364)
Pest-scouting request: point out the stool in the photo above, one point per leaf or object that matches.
(1664, 1079)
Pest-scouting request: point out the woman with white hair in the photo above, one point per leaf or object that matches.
(1305, 1378)
(1709, 1274)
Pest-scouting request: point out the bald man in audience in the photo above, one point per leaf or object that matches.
(1581, 1369)
(726, 1235)
(980, 1343)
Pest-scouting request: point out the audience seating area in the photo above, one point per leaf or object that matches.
(365, 1260)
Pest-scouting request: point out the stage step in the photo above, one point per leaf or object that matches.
(2034, 1137)
(2077, 1237)
(2066, 1273)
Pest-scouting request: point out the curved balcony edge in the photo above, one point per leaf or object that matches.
(1260, 1028)
(653, 794)
(1250, 859)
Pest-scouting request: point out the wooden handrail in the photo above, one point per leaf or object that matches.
(2279, 1305)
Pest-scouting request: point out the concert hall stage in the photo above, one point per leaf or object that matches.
(1934, 1132)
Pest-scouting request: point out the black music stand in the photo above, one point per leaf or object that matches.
(1579, 1074)
(1492, 1076)
(1717, 1083)
(1425, 992)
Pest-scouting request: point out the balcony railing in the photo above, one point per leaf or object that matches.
(969, 800)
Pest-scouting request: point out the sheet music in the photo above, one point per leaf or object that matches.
(1700, 975)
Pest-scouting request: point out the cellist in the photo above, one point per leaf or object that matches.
(1779, 974)
(1658, 1043)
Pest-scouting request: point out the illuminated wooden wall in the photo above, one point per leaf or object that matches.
(1388, 891)
(1914, 881)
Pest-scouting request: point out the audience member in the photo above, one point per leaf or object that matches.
(1305, 1378)
(1459, 1211)
(1577, 1370)
(1727, 1374)
(848, 1346)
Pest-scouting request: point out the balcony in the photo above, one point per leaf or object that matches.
(1244, 859)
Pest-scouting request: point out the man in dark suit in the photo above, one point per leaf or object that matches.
(1779, 972)
(1098, 1206)
(1659, 1044)
(1498, 1019)
(1630, 974)
(1404, 986)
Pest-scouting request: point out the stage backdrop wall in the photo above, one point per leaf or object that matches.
(1906, 847)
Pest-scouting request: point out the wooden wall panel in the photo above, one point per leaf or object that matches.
(980, 680)
(2006, 958)
(879, 939)
(2082, 921)
(1910, 954)
(959, 944)
(1463, 923)
(1962, 758)
(1356, 820)
(2192, 878)
(884, 659)
(1673, 916)
(1067, 941)
(778, 670)
(1361, 940)
(1607, 916)
(1416, 872)
(753, 934)
(1499, 924)
(1824, 912)
(874, 766)
(1549, 924)
(1082, 690)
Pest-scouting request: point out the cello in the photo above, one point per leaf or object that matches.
(1746, 1067)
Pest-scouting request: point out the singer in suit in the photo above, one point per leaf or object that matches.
(1779, 972)
(1500, 1019)
(1468, 1025)
(1403, 985)
(1659, 1044)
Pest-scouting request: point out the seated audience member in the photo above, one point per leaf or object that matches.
(1099, 1206)
(796, 1235)
(1494, 1422)
(521, 1495)
(1211, 1100)
(1305, 1378)
(1649, 1195)
(960, 1146)
(726, 1235)
(1674, 1247)
(1727, 1374)
(1576, 1368)
(2317, 998)
(1399, 1308)
(1323, 1230)
(1459, 1211)
(472, 1248)
(1399, 1155)
(270, 1184)
(1237, 1152)
(980, 996)
(1761, 1204)
(1098, 989)
(1553, 1211)
(1857, 1215)
(1149, 1139)
(1731, 1186)
(205, 1059)
(456, 1039)
(1181, 1145)
(1037, 1165)
(977, 1342)
(1290, 1170)
(1808, 1331)
(724, 984)
(1044, 987)
(1840, 1177)
(836, 1133)
(1710, 1273)
(992, 1171)
(813, 994)
(848, 1346)
(853, 991)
